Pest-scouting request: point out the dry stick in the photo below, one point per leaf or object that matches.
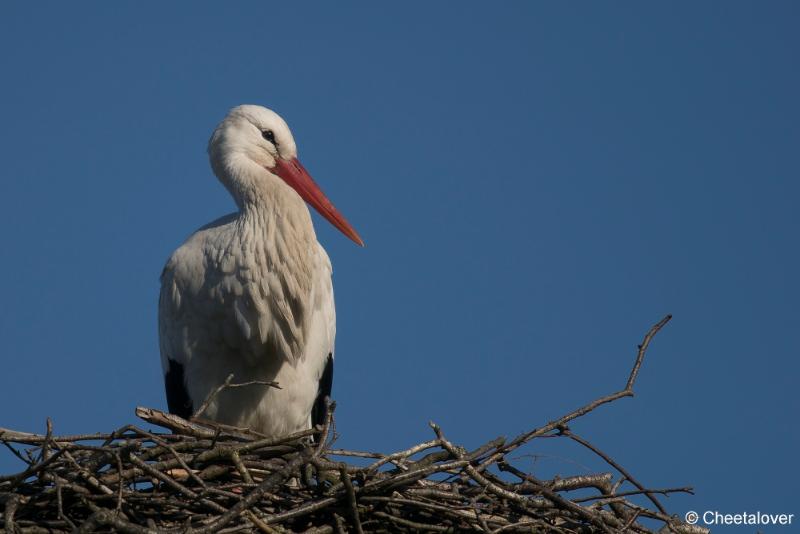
(202, 428)
(48, 438)
(330, 406)
(263, 527)
(255, 495)
(189, 471)
(355, 454)
(35, 439)
(411, 476)
(657, 491)
(618, 467)
(166, 479)
(227, 384)
(119, 488)
(207, 455)
(20, 477)
(240, 467)
(271, 442)
(403, 454)
(175, 423)
(302, 510)
(60, 504)
(421, 527)
(479, 516)
(111, 519)
(87, 476)
(8, 516)
(469, 514)
(209, 452)
(339, 523)
(674, 524)
(599, 481)
(269, 482)
(630, 521)
(351, 499)
(627, 392)
(549, 489)
(494, 488)
(528, 523)
(16, 453)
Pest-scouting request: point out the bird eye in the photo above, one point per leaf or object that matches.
(269, 136)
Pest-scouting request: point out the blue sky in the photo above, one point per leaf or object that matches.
(536, 184)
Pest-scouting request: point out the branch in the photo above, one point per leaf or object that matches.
(226, 385)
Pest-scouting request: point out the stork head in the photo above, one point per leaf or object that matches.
(253, 146)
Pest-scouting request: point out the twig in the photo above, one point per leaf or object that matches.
(11, 509)
(226, 385)
(351, 499)
(650, 495)
(626, 392)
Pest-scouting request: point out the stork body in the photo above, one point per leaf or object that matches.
(250, 294)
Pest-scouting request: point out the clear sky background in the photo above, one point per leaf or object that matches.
(536, 184)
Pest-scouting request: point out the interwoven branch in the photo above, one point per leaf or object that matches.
(205, 478)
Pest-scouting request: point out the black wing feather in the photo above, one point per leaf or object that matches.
(177, 397)
(324, 390)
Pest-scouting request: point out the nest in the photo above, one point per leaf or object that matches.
(202, 477)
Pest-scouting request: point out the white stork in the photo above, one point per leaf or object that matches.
(250, 294)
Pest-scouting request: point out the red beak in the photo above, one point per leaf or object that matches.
(294, 174)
